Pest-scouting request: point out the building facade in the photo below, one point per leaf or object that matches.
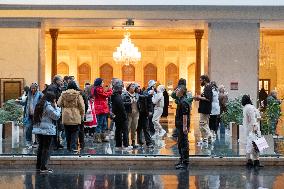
(225, 42)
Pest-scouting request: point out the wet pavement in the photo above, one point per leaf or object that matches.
(194, 177)
(223, 146)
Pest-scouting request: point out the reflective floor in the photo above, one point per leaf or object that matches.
(224, 145)
(195, 177)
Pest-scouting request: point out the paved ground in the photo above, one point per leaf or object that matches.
(223, 146)
(195, 177)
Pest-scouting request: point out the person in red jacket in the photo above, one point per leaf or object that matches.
(101, 95)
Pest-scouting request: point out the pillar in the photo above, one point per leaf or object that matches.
(233, 56)
(54, 35)
(198, 37)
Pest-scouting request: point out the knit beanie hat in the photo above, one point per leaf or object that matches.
(98, 82)
(151, 83)
(117, 85)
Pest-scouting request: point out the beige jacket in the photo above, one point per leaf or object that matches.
(73, 107)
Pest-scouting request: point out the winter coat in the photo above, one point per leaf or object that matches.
(128, 101)
(215, 103)
(101, 104)
(30, 104)
(250, 121)
(158, 98)
(49, 115)
(73, 107)
(118, 108)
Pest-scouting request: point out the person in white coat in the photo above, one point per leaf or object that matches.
(251, 122)
(215, 111)
(158, 101)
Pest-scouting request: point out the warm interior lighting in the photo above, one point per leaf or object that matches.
(126, 53)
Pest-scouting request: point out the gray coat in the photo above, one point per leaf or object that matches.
(46, 126)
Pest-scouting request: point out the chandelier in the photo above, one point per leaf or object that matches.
(126, 53)
(265, 59)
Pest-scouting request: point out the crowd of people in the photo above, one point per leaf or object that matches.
(100, 110)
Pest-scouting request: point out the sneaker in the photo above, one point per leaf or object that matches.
(60, 147)
(46, 170)
(182, 166)
(128, 148)
(162, 132)
(118, 148)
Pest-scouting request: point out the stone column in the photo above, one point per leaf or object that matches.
(198, 37)
(54, 35)
(233, 56)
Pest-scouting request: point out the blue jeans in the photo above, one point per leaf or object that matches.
(29, 129)
(71, 132)
(102, 123)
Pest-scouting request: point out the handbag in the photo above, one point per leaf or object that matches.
(89, 114)
(261, 143)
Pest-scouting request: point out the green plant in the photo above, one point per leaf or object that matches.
(234, 112)
(270, 118)
(11, 111)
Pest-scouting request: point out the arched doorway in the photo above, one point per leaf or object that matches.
(84, 74)
(106, 73)
(150, 73)
(171, 76)
(191, 78)
(62, 69)
(128, 73)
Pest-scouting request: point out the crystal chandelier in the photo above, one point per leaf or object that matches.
(265, 59)
(126, 53)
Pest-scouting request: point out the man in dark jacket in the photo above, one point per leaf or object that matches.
(143, 119)
(205, 106)
(149, 93)
(119, 115)
(56, 88)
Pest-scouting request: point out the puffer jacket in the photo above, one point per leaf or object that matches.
(49, 115)
(73, 107)
(101, 102)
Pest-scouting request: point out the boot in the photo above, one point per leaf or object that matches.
(97, 138)
(133, 144)
(179, 162)
(249, 163)
(103, 137)
(257, 164)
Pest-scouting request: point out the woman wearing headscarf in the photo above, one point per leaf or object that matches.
(250, 121)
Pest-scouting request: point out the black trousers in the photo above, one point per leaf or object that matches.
(82, 135)
(213, 123)
(143, 126)
(121, 134)
(183, 146)
(151, 125)
(43, 151)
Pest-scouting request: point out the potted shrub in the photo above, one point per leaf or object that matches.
(11, 112)
(233, 116)
(270, 117)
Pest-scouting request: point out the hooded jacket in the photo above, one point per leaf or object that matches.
(73, 107)
(158, 98)
(101, 104)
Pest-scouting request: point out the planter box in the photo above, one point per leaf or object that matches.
(11, 131)
(234, 131)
